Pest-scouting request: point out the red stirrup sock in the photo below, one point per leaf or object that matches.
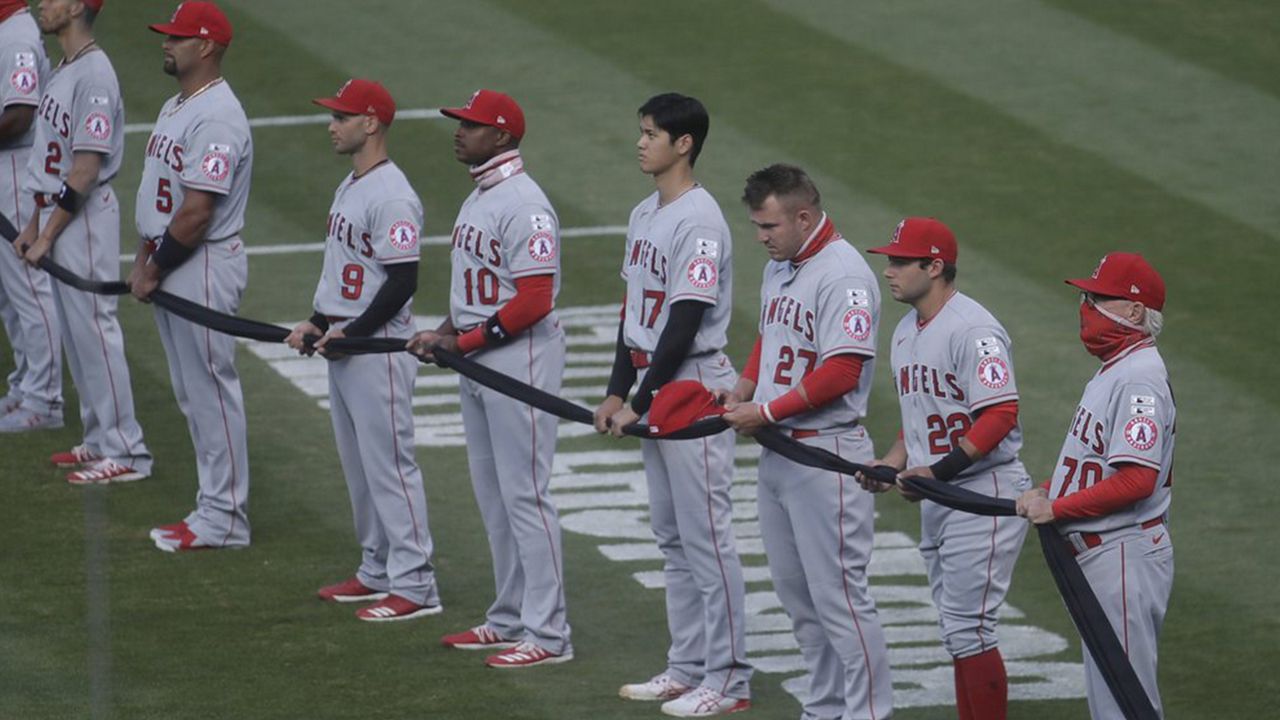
(986, 685)
(962, 692)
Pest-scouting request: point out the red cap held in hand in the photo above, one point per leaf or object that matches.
(196, 19)
(1125, 275)
(488, 107)
(917, 237)
(679, 404)
(362, 97)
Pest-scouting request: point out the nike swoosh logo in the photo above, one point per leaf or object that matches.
(1156, 540)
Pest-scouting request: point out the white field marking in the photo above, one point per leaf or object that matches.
(295, 248)
(603, 494)
(313, 119)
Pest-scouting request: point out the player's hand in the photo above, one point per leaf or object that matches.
(422, 344)
(604, 414)
(37, 249)
(143, 281)
(298, 338)
(745, 417)
(322, 344)
(25, 237)
(448, 343)
(878, 484)
(1023, 503)
(725, 397)
(1038, 509)
(907, 493)
(621, 419)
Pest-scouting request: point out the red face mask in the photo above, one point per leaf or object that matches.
(1102, 336)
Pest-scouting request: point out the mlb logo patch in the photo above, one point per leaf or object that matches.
(709, 248)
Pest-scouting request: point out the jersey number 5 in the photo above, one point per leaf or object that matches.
(164, 196)
(944, 435)
(787, 359)
(352, 281)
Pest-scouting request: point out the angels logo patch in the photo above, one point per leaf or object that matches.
(857, 324)
(24, 80)
(98, 125)
(542, 246)
(1140, 432)
(702, 272)
(993, 372)
(216, 165)
(404, 236)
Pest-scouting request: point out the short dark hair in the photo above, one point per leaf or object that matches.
(679, 115)
(948, 269)
(781, 181)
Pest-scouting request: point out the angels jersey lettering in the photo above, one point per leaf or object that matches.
(375, 220)
(682, 251)
(1126, 415)
(944, 373)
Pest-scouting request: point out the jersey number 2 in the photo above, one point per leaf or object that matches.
(352, 281)
(944, 435)
(53, 159)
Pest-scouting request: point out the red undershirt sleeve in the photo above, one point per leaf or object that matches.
(1126, 486)
(992, 425)
(530, 304)
(752, 370)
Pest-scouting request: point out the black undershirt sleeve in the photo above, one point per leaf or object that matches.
(624, 373)
(683, 320)
(402, 282)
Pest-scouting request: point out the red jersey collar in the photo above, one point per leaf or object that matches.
(822, 236)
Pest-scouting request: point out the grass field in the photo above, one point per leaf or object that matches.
(1044, 132)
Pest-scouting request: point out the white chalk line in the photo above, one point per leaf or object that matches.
(290, 120)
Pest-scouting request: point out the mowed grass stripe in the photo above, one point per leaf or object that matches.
(1186, 129)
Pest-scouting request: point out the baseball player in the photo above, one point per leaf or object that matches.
(679, 279)
(34, 399)
(1112, 485)
(189, 214)
(505, 277)
(953, 370)
(366, 289)
(810, 373)
(79, 141)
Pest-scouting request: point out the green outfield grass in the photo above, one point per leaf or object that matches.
(1045, 133)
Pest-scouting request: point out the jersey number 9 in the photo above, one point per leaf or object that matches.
(352, 281)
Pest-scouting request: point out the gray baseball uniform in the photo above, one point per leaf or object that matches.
(81, 111)
(203, 143)
(817, 526)
(375, 221)
(945, 371)
(683, 251)
(1126, 415)
(26, 294)
(506, 231)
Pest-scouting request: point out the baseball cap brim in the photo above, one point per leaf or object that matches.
(337, 106)
(173, 30)
(1092, 285)
(464, 114)
(899, 251)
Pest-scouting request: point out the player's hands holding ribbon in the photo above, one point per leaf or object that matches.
(143, 280)
(297, 339)
(321, 344)
(744, 417)
(421, 344)
(621, 419)
(880, 482)
(1035, 506)
(603, 415)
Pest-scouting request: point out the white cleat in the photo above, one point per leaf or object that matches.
(659, 687)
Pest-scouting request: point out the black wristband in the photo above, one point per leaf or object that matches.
(70, 199)
(171, 253)
(952, 465)
(320, 321)
(494, 333)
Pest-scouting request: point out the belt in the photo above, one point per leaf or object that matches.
(801, 434)
(331, 319)
(641, 359)
(1091, 540)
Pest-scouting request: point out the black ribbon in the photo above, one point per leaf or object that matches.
(1087, 614)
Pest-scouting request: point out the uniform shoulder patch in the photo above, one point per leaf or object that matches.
(24, 80)
(98, 125)
(703, 273)
(1141, 432)
(988, 346)
(857, 297)
(403, 236)
(542, 246)
(857, 324)
(540, 221)
(216, 163)
(993, 372)
(708, 247)
(24, 59)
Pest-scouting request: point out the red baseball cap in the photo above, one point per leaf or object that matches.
(679, 404)
(1125, 275)
(196, 19)
(489, 107)
(362, 97)
(918, 237)
(94, 5)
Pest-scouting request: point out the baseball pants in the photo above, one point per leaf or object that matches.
(691, 516)
(1132, 576)
(370, 399)
(510, 448)
(969, 560)
(205, 382)
(91, 334)
(817, 528)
